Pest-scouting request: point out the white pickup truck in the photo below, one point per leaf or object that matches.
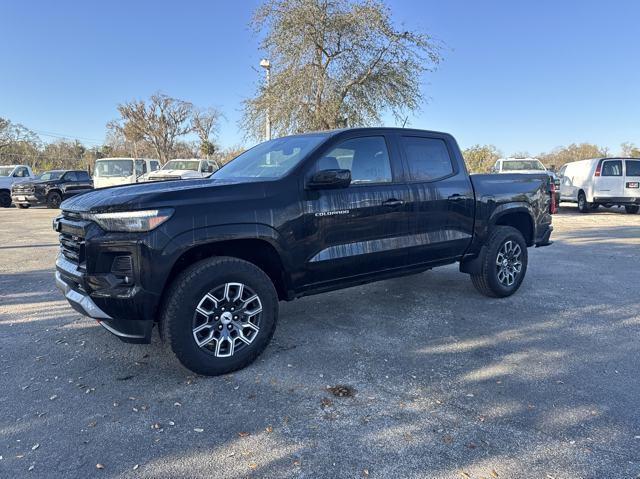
(182, 170)
(9, 175)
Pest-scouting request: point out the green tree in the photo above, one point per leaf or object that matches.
(480, 158)
(336, 63)
(573, 152)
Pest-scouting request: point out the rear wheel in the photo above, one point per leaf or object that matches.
(632, 209)
(219, 315)
(54, 199)
(594, 206)
(504, 264)
(5, 200)
(583, 205)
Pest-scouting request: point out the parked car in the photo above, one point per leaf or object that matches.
(121, 171)
(518, 165)
(9, 175)
(290, 217)
(602, 181)
(51, 188)
(182, 169)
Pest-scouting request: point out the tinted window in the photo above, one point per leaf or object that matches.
(633, 168)
(70, 176)
(113, 168)
(428, 158)
(612, 168)
(82, 176)
(155, 165)
(366, 158)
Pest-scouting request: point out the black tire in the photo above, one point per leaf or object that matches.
(487, 281)
(54, 199)
(594, 206)
(583, 205)
(188, 291)
(23, 206)
(5, 200)
(632, 209)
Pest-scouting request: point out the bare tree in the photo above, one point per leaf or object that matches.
(336, 63)
(13, 133)
(574, 152)
(158, 121)
(205, 124)
(629, 150)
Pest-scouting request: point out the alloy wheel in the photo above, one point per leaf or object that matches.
(509, 263)
(227, 319)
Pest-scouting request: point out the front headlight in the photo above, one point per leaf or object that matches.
(130, 221)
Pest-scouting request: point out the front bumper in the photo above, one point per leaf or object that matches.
(32, 199)
(71, 281)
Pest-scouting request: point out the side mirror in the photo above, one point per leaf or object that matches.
(329, 179)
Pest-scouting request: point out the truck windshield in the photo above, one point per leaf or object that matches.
(522, 165)
(181, 165)
(6, 170)
(51, 175)
(271, 159)
(113, 168)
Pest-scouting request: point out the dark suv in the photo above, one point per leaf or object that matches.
(50, 188)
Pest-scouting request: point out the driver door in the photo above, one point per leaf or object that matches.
(363, 228)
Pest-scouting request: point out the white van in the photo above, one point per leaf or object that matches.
(602, 181)
(120, 171)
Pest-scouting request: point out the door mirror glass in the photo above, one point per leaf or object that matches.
(329, 179)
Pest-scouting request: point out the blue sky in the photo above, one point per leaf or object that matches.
(520, 75)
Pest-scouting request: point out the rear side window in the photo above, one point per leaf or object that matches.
(82, 176)
(71, 176)
(367, 159)
(155, 165)
(612, 168)
(633, 168)
(141, 167)
(428, 158)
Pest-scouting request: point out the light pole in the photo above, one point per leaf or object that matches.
(266, 64)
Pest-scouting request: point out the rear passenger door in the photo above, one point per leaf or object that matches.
(442, 198)
(610, 182)
(363, 228)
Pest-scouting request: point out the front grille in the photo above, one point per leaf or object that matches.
(72, 248)
(28, 189)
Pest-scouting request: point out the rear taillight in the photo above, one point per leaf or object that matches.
(553, 208)
(598, 169)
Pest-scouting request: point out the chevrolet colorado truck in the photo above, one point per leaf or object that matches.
(51, 188)
(208, 260)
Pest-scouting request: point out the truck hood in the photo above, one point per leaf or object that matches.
(105, 181)
(6, 181)
(139, 196)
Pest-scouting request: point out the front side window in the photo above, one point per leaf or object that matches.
(612, 168)
(155, 165)
(633, 167)
(50, 175)
(271, 159)
(367, 158)
(427, 158)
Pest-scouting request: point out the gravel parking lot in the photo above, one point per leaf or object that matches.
(440, 381)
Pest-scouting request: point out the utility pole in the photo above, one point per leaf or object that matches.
(266, 64)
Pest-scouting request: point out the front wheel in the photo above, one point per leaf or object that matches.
(5, 200)
(632, 209)
(23, 206)
(54, 199)
(504, 264)
(219, 315)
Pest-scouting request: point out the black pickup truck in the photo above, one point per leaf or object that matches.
(209, 259)
(51, 188)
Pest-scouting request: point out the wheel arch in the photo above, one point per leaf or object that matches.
(259, 251)
(518, 217)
